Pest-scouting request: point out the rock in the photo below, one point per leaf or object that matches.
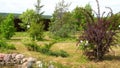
(7, 58)
(1, 57)
(28, 62)
(14, 55)
(24, 60)
(24, 65)
(13, 58)
(19, 57)
(39, 64)
(31, 59)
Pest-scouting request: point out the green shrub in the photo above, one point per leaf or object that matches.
(7, 29)
(55, 53)
(5, 45)
(46, 48)
(11, 47)
(59, 53)
(63, 53)
(36, 31)
(32, 46)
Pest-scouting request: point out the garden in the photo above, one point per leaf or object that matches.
(81, 38)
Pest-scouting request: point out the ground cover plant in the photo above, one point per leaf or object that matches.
(4, 46)
(44, 49)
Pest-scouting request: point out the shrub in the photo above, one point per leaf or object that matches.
(32, 46)
(63, 53)
(7, 28)
(11, 47)
(45, 49)
(55, 53)
(100, 34)
(36, 31)
(59, 53)
(5, 45)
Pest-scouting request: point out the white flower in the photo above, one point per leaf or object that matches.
(28, 26)
(81, 41)
(40, 64)
(119, 26)
(86, 43)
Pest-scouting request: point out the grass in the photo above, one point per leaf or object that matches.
(75, 60)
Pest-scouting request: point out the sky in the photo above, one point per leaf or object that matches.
(20, 6)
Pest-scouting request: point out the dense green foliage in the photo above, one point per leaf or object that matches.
(1, 19)
(36, 31)
(64, 23)
(79, 16)
(7, 28)
(61, 53)
(32, 21)
(27, 18)
(6, 46)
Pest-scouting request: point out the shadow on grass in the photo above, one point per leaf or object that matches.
(14, 39)
(44, 40)
(19, 39)
(112, 57)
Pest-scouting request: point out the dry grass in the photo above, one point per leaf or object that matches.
(75, 60)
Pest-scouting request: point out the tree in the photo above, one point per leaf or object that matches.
(62, 25)
(38, 7)
(34, 19)
(37, 27)
(27, 17)
(7, 28)
(79, 16)
(1, 19)
(99, 34)
(38, 12)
